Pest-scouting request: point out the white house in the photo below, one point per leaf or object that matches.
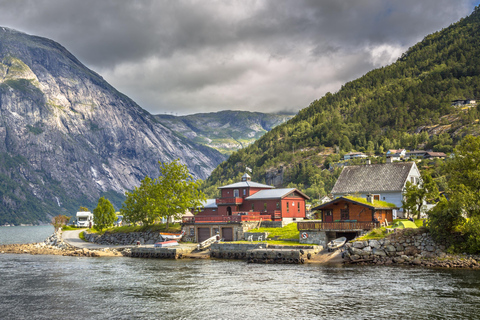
(354, 155)
(385, 181)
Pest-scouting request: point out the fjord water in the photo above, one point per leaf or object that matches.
(27, 234)
(57, 287)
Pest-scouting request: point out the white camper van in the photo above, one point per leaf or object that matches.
(84, 218)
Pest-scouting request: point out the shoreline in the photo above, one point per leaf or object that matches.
(55, 245)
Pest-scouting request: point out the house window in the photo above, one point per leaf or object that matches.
(287, 207)
(278, 205)
(236, 194)
(215, 231)
(413, 180)
(376, 197)
(192, 232)
(253, 207)
(265, 207)
(344, 214)
(244, 192)
(298, 206)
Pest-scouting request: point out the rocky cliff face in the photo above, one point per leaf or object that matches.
(67, 137)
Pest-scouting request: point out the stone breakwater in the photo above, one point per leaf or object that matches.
(406, 247)
(54, 245)
(120, 238)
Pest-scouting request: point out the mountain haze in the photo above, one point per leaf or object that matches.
(67, 137)
(225, 131)
(407, 104)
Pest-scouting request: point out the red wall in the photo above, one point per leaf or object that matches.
(293, 211)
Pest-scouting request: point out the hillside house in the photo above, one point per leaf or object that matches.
(384, 182)
(457, 103)
(416, 154)
(396, 155)
(435, 155)
(354, 155)
(242, 206)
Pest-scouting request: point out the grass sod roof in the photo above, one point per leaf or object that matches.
(377, 204)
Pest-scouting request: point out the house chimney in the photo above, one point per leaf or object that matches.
(370, 198)
(246, 177)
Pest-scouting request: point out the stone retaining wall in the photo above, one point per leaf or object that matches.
(262, 252)
(406, 246)
(119, 238)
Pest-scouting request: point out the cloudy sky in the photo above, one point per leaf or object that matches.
(186, 57)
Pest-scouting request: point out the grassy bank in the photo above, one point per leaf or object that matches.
(288, 232)
(161, 227)
(380, 233)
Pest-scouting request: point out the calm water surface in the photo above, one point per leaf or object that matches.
(56, 287)
(9, 235)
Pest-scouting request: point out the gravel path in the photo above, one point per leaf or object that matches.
(72, 238)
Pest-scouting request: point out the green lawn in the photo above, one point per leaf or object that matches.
(381, 233)
(288, 232)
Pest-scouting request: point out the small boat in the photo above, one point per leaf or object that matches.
(168, 243)
(172, 236)
(337, 243)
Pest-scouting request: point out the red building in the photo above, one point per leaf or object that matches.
(242, 203)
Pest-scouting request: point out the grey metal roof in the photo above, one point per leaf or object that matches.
(270, 194)
(373, 178)
(273, 194)
(246, 184)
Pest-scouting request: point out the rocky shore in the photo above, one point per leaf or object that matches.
(54, 245)
(406, 247)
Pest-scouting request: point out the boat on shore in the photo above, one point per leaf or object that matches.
(172, 236)
(335, 244)
(168, 243)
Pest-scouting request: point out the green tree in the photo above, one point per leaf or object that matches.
(176, 191)
(417, 195)
(138, 205)
(462, 211)
(103, 215)
(168, 196)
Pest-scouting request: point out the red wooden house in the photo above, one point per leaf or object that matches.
(242, 203)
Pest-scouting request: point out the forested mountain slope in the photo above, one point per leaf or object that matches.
(226, 131)
(406, 104)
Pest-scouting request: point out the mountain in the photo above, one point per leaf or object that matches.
(407, 104)
(67, 137)
(225, 131)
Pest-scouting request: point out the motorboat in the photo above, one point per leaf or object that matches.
(335, 244)
(172, 236)
(168, 243)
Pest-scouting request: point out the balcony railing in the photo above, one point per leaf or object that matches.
(233, 201)
(339, 225)
(225, 219)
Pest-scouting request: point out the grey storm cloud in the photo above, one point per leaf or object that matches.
(200, 56)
